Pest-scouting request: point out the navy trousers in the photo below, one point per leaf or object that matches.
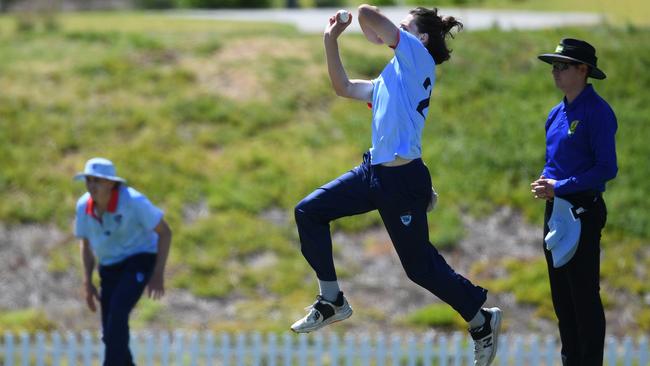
(122, 285)
(401, 194)
(575, 287)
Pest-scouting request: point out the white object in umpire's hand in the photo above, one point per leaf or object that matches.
(564, 232)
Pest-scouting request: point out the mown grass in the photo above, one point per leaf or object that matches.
(220, 124)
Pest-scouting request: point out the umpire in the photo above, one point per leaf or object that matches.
(580, 159)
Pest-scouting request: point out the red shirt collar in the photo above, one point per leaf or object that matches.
(112, 203)
(399, 34)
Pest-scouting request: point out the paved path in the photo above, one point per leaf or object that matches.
(314, 20)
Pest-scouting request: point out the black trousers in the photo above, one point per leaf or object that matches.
(575, 287)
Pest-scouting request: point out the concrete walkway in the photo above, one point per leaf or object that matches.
(314, 20)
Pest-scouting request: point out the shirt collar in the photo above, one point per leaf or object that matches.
(112, 203)
(584, 95)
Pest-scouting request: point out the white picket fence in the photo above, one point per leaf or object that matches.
(318, 349)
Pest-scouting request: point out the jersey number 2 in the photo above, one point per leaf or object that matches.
(424, 103)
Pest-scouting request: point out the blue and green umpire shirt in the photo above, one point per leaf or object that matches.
(125, 229)
(580, 144)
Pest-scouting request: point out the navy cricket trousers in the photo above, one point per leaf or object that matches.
(122, 285)
(401, 194)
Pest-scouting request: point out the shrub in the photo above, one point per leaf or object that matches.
(328, 3)
(383, 2)
(214, 4)
(435, 315)
(25, 23)
(155, 4)
(29, 320)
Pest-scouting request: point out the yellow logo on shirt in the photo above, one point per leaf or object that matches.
(573, 127)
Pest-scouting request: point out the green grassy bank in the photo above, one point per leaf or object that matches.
(222, 123)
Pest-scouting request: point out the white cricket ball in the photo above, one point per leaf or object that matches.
(343, 15)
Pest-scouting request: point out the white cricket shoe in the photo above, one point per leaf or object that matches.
(486, 337)
(322, 313)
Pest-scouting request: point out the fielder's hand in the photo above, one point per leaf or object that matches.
(91, 295)
(156, 286)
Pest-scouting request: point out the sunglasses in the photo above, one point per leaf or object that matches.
(562, 66)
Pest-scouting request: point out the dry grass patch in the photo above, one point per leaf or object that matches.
(241, 68)
(230, 81)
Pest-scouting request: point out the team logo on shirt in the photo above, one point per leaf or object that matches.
(139, 277)
(406, 219)
(573, 127)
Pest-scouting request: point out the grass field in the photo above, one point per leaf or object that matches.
(619, 12)
(221, 124)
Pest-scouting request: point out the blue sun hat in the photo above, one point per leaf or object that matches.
(564, 232)
(100, 168)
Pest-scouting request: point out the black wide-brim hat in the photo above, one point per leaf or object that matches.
(575, 50)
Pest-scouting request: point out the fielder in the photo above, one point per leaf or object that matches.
(122, 230)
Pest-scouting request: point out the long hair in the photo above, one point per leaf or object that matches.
(438, 28)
